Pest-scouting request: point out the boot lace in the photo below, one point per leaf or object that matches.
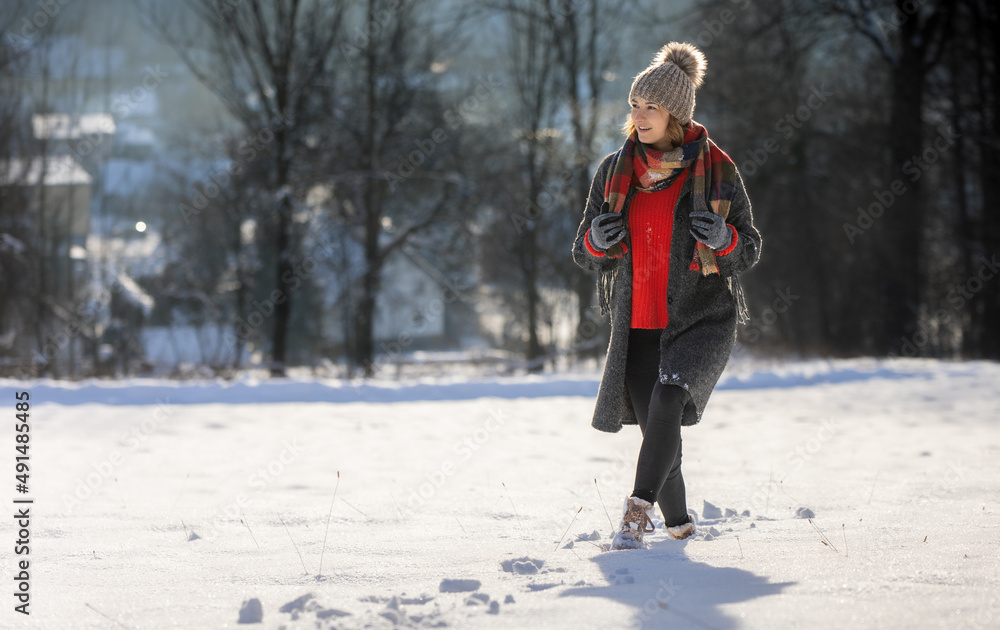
(638, 515)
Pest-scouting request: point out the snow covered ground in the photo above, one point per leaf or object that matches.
(166, 505)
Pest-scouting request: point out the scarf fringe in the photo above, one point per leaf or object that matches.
(605, 287)
(742, 310)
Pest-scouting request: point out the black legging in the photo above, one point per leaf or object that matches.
(658, 408)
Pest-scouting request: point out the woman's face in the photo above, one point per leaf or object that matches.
(650, 120)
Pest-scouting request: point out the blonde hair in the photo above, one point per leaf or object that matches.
(675, 130)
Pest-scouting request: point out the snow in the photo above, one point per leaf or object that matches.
(64, 126)
(58, 170)
(454, 502)
(135, 293)
(710, 511)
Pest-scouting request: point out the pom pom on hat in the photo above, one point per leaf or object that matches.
(685, 56)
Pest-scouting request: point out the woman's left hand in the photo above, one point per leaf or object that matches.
(710, 229)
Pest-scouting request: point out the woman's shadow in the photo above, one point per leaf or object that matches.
(667, 589)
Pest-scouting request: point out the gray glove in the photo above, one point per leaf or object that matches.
(606, 229)
(710, 229)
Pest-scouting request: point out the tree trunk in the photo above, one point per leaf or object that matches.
(364, 322)
(282, 306)
(283, 264)
(364, 318)
(970, 342)
(528, 246)
(903, 246)
(989, 148)
(529, 265)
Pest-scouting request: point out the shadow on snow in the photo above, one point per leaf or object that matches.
(666, 589)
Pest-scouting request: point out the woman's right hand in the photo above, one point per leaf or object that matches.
(606, 230)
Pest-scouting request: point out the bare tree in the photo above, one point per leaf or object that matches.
(910, 37)
(972, 87)
(15, 260)
(40, 283)
(401, 182)
(585, 61)
(530, 56)
(263, 59)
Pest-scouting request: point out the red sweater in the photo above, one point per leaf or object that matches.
(650, 226)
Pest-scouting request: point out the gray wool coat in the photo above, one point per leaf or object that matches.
(701, 331)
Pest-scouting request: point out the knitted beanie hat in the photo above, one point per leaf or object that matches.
(670, 81)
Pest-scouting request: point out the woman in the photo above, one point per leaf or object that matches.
(667, 227)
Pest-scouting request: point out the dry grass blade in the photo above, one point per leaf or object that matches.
(567, 528)
(105, 616)
(293, 544)
(244, 521)
(328, 516)
(516, 515)
(825, 540)
(610, 522)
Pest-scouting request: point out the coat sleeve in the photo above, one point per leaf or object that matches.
(743, 251)
(583, 254)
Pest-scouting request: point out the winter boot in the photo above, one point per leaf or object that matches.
(682, 531)
(637, 515)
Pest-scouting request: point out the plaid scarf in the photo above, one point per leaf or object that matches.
(713, 187)
(657, 170)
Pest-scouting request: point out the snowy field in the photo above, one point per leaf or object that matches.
(164, 505)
